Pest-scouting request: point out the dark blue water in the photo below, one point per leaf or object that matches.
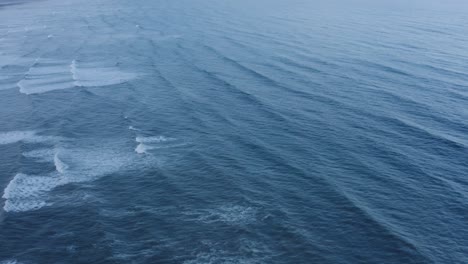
(220, 131)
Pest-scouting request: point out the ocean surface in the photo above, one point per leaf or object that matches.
(222, 131)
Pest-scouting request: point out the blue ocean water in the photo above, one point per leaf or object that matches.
(221, 131)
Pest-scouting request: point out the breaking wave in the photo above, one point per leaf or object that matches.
(154, 142)
(24, 136)
(83, 164)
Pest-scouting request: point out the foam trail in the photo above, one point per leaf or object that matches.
(83, 164)
(24, 192)
(23, 185)
(15, 136)
(73, 73)
(43, 85)
(48, 75)
(141, 148)
(155, 139)
(94, 75)
(133, 128)
(24, 136)
(155, 142)
(60, 166)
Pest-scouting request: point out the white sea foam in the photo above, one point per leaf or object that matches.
(92, 163)
(15, 136)
(45, 75)
(103, 77)
(156, 139)
(60, 166)
(24, 186)
(144, 148)
(150, 143)
(141, 148)
(23, 205)
(55, 69)
(25, 192)
(44, 84)
(133, 128)
(73, 72)
(94, 74)
(25, 136)
(73, 165)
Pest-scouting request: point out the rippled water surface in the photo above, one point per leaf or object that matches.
(221, 131)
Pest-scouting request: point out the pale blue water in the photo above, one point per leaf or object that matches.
(220, 131)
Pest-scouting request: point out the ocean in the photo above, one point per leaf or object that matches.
(222, 131)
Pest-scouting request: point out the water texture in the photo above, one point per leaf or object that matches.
(219, 131)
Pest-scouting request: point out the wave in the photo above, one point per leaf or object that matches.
(24, 192)
(83, 164)
(43, 85)
(141, 148)
(73, 72)
(49, 75)
(144, 148)
(374, 223)
(154, 139)
(155, 142)
(420, 132)
(16, 136)
(95, 75)
(25, 136)
(44, 76)
(247, 96)
(60, 166)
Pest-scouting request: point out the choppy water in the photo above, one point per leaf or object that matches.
(218, 131)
